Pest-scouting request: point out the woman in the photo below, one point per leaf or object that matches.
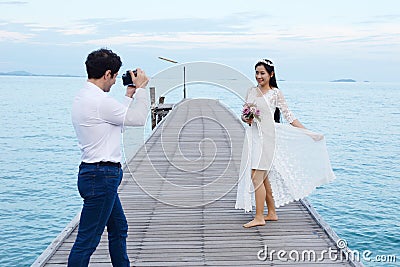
(280, 163)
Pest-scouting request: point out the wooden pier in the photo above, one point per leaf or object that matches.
(178, 193)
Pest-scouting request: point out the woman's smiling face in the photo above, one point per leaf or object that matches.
(262, 76)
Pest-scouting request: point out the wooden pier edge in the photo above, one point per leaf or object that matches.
(327, 229)
(52, 248)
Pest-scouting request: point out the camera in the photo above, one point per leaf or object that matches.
(127, 79)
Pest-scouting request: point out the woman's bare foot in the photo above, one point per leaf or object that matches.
(271, 217)
(254, 222)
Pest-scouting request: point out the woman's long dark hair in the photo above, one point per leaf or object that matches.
(269, 66)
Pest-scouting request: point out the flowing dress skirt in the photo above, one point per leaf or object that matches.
(299, 165)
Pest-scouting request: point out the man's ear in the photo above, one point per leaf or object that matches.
(107, 73)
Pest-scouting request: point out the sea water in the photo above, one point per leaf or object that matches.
(39, 158)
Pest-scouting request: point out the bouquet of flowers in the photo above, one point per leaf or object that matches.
(250, 111)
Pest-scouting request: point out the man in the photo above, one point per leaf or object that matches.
(98, 120)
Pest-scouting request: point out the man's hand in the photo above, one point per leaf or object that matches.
(140, 80)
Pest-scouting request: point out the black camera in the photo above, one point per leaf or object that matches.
(127, 79)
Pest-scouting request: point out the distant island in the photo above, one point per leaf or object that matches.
(344, 81)
(25, 73)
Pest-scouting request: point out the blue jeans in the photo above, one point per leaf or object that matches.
(98, 187)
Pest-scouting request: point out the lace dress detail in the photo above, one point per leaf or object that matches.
(296, 164)
(275, 99)
(281, 104)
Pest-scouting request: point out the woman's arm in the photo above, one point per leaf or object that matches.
(297, 123)
(283, 107)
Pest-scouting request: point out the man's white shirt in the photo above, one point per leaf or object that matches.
(98, 120)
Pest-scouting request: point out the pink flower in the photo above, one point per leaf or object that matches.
(250, 111)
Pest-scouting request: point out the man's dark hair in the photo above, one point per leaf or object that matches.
(99, 61)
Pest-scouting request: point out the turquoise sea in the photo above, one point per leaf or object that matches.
(39, 158)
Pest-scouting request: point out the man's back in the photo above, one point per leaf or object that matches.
(99, 139)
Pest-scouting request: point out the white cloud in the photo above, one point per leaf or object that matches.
(318, 38)
(181, 40)
(70, 29)
(8, 36)
(78, 30)
(13, 2)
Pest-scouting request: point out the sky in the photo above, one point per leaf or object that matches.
(308, 40)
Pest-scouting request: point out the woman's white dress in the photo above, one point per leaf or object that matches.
(296, 159)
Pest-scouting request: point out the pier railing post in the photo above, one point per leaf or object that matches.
(153, 95)
(153, 104)
(160, 110)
